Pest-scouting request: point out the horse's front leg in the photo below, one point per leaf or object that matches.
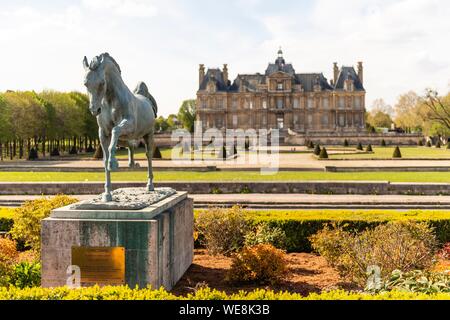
(123, 128)
(104, 142)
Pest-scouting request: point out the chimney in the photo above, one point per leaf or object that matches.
(335, 72)
(360, 71)
(225, 74)
(201, 74)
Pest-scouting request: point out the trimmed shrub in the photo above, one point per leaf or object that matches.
(397, 153)
(346, 143)
(383, 143)
(438, 144)
(157, 153)
(54, 153)
(98, 152)
(359, 147)
(420, 143)
(262, 263)
(405, 245)
(317, 149)
(247, 144)
(323, 153)
(27, 219)
(448, 145)
(428, 144)
(73, 150)
(310, 145)
(369, 148)
(265, 234)
(221, 230)
(33, 154)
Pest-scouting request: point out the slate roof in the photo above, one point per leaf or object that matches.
(215, 75)
(348, 73)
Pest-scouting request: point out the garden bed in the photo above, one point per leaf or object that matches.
(308, 273)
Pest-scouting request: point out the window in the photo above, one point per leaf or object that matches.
(264, 104)
(234, 104)
(341, 120)
(357, 102)
(235, 120)
(279, 103)
(325, 103)
(295, 118)
(296, 103)
(341, 102)
(219, 104)
(357, 120)
(310, 103)
(218, 122)
(204, 105)
(251, 104)
(280, 86)
(310, 119)
(264, 120)
(325, 120)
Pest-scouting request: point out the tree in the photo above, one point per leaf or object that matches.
(438, 107)
(380, 114)
(407, 113)
(186, 114)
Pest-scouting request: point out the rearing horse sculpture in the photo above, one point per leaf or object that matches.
(122, 116)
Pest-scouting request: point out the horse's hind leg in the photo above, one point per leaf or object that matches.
(131, 162)
(148, 140)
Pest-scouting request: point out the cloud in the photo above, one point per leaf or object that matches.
(126, 8)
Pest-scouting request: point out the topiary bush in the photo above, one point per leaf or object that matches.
(262, 263)
(73, 150)
(359, 146)
(265, 234)
(33, 154)
(428, 144)
(323, 153)
(383, 143)
(346, 143)
(404, 245)
(157, 153)
(98, 152)
(221, 230)
(448, 145)
(438, 144)
(397, 153)
(54, 153)
(27, 219)
(310, 145)
(317, 149)
(369, 148)
(420, 143)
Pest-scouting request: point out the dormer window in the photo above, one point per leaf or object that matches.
(280, 86)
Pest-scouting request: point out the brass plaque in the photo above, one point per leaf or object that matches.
(100, 265)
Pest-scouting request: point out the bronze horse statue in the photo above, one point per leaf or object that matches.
(123, 117)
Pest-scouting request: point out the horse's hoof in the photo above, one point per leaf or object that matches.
(113, 164)
(134, 165)
(106, 197)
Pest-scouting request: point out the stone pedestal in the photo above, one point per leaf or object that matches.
(157, 241)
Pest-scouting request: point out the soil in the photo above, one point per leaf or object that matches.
(307, 273)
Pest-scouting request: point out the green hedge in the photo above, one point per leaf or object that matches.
(125, 293)
(300, 224)
(6, 219)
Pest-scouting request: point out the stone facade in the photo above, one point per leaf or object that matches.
(281, 98)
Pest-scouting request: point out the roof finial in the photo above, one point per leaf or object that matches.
(280, 53)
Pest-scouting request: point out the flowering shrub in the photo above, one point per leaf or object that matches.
(260, 263)
(404, 245)
(222, 230)
(27, 219)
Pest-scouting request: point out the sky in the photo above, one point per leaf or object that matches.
(404, 44)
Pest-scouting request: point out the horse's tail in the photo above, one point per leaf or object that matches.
(142, 89)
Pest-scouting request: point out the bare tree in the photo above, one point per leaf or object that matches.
(439, 109)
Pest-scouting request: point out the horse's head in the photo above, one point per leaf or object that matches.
(95, 82)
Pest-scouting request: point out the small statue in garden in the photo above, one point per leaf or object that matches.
(122, 116)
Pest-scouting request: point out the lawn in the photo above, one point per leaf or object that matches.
(407, 152)
(218, 176)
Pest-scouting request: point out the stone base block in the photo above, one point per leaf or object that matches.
(157, 241)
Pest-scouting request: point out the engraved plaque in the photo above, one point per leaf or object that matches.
(100, 265)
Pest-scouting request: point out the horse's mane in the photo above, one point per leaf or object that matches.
(96, 61)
